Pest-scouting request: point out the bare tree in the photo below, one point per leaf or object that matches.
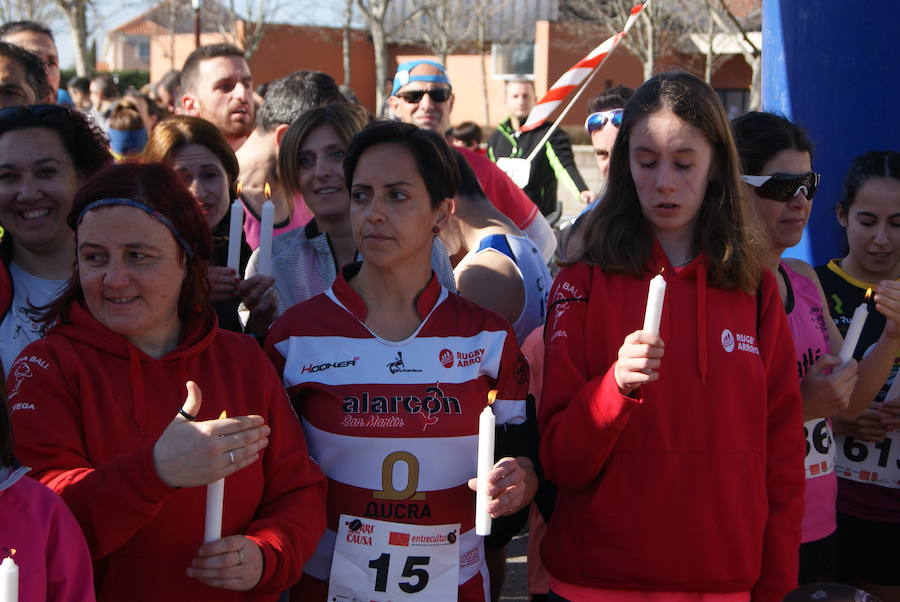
(481, 18)
(655, 33)
(76, 13)
(248, 30)
(375, 13)
(42, 11)
(661, 29)
(442, 26)
(345, 39)
(751, 52)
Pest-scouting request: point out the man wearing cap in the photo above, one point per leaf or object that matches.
(422, 96)
(555, 161)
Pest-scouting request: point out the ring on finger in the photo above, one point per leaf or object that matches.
(241, 557)
(231, 457)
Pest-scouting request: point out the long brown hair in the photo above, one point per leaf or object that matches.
(175, 133)
(618, 237)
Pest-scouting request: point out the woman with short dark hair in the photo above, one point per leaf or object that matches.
(390, 372)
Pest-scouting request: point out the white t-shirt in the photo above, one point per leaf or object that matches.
(18, 327)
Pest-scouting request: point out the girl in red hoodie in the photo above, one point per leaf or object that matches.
(676, 456)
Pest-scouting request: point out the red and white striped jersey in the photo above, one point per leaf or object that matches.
(394, 424)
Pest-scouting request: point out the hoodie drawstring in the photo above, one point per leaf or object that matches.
(136, 374)
(702, 343)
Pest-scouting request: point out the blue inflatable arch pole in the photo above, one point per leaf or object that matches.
(833, 67)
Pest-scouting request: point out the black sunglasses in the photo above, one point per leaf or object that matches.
(436, 95)
(782, 187)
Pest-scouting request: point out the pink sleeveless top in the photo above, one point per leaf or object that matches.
(806, 318)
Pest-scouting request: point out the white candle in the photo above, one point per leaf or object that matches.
(265, 238)
(234, 235)
(9, 580)
(655, 297)
(215, 501)
(852, 338)
(486, 424)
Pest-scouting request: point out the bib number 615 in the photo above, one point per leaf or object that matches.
(383, 563)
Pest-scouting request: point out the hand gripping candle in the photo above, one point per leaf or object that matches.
(486, 425)
(855, 330)
(215, 501)
(9, 579)
(655, 297)
(235, 231)
(267, 219)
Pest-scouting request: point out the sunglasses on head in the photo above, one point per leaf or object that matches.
(596, 121)
(30, 112)
(783, 187)
(436, 95)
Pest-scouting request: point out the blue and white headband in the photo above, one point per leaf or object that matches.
(403, 75)
(111, 202)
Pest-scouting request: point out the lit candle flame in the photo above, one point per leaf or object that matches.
(267, 190)
(492, 395)
(224, 414)
(12, 552)
(240, 186)
(868, 294)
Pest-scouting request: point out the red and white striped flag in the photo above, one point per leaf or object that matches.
(576, 74)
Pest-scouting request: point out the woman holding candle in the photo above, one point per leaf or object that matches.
(305, 261)
(38, 534)
(201, 156)
(46, 152)
(390, 373)
(776, 162)
(100, 412)
(676, 455)
(867, 448)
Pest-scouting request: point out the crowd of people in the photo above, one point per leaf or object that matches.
(331, 391)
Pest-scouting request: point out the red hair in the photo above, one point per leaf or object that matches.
(158, 186)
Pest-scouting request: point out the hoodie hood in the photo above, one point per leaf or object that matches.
(198, 334)
(694, 271)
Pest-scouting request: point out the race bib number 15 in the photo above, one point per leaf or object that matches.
(379, 561)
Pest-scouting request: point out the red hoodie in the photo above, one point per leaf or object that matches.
(87, 408)
(695, 486)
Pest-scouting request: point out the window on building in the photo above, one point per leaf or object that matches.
(735, 101)
(512, 61)
(143, 51)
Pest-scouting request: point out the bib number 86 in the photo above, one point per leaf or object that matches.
(382, 564)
